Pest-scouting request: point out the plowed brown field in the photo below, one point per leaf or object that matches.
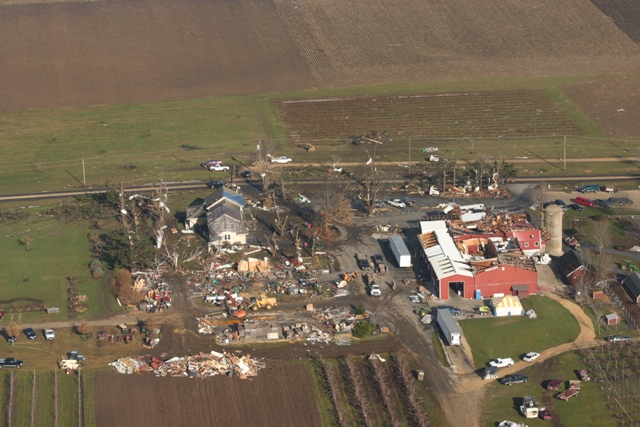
(74, 54)
(280, 396)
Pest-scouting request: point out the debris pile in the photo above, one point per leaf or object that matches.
(157, 294)
(199, 366)
(129, 365)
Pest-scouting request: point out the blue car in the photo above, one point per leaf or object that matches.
(30, 333)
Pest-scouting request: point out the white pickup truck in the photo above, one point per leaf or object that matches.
(218, 168)
(281, 159)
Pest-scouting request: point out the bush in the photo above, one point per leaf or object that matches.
(571, 232)
(359, 309)
(97, 273)
(599, 218)
(95, 264)
(364, 329)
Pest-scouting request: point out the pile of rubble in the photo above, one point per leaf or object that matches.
(157, 294)
(129, 365)
(199, 366)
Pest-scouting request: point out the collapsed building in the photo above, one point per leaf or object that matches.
(475, 255)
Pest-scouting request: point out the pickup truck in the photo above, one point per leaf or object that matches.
(375, 291)
(218, 168)
(363, 262)
(11, 363)
(501, 363)
(281, 159)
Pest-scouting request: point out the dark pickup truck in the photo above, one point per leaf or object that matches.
(11, 363)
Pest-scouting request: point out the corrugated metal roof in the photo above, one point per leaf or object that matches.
(441, 251)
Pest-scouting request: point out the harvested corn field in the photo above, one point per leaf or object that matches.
(500, 114)
(280, 396)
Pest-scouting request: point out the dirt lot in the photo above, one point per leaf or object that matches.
(284, 396)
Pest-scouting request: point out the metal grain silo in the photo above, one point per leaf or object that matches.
(553, 224)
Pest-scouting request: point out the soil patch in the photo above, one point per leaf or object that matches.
(625, 13)
(283, 395)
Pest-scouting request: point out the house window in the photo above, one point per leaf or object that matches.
(537, 243)
(526, 244)
(227, 237)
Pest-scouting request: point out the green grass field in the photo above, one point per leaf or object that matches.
(167, 140)
(515, 336)
(57, 249)
(586, 409)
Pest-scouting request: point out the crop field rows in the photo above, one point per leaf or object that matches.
(615, 368)
(42, 399)
(505, 114)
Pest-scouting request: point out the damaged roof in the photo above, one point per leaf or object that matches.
(224, 193)
(441, 251)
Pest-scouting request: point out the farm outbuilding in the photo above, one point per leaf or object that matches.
(632, 285)
(571, 266)
(612, 319)
(507, 306)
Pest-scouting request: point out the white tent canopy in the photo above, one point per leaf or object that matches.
(507, 306)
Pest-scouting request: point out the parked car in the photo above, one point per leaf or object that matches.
(215, 183)
(49, 335)
(245, 174)
(593, 188)
(620, 201)
(11, 362)
(584, 202)
(453, 310)
(514, 379)
(30, 333)
(363, 262)
(531, 356)
(560, 202)
(576, 207)
(378, 259)
(9, 338)
(545, 414)
(554, 384)
(375, 291)
(407, 201)
(507, 423)
(501, 363)
(397, 203)
(618, 338)
(603, 203)
(218, 168)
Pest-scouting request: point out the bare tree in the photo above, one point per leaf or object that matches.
(12, 329)
(599, 265)
(602, 235)
(264, 151)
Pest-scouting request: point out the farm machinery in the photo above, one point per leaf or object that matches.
(262, 301)
(628, 266)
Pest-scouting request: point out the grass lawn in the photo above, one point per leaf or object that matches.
(586, 409)
(146, 142)
(515, 336)
(57, 249)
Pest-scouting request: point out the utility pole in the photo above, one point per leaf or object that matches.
(84, 177)
(409, 155)
(565, 152)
